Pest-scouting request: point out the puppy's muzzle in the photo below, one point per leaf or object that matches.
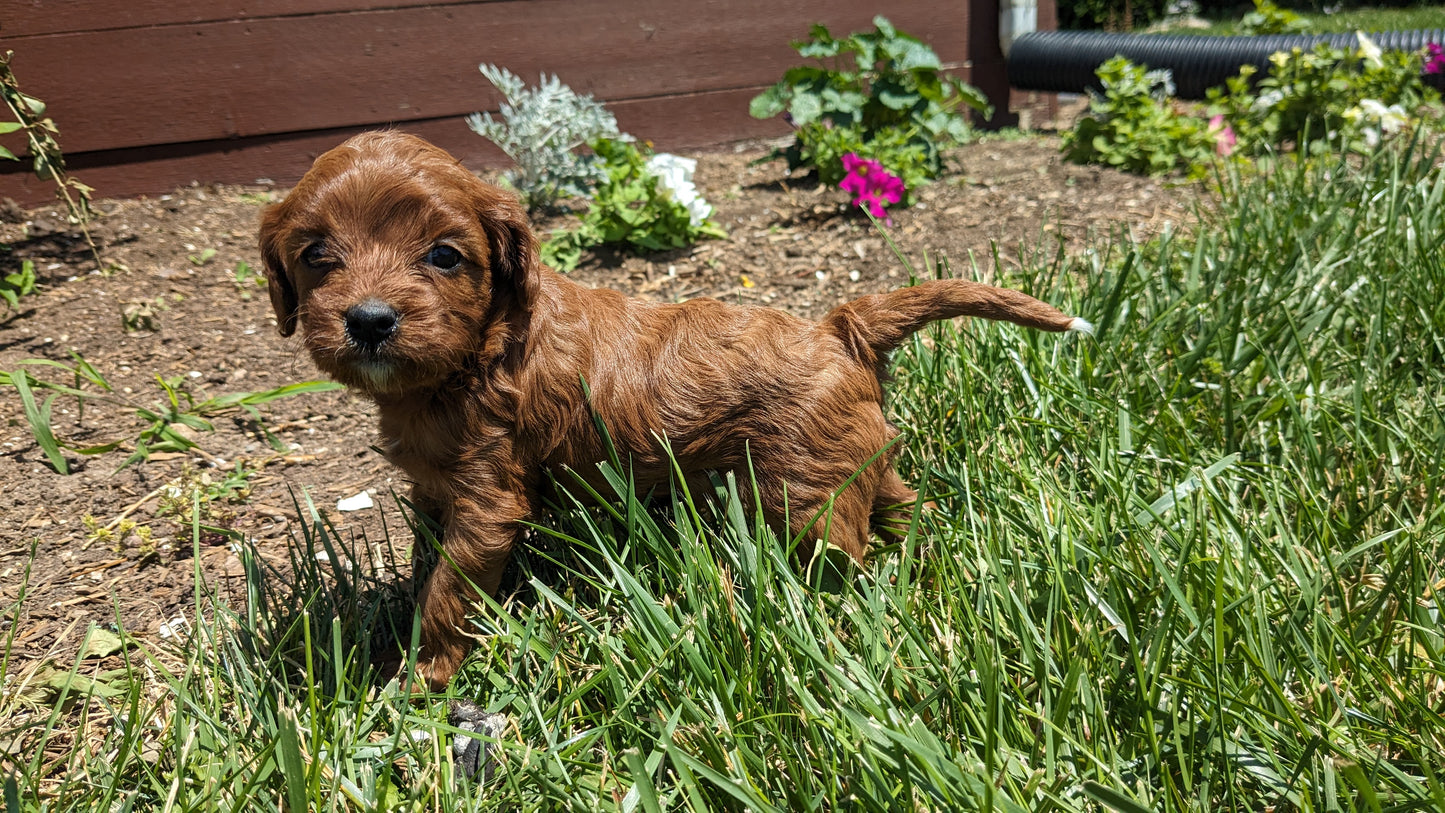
(371, 323)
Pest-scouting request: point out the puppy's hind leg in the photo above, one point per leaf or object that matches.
(876, 498)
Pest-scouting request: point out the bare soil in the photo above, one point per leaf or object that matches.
(174, 308)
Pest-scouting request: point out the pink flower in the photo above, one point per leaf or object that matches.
(871, 186)
(1224, 139)
(1434, 58)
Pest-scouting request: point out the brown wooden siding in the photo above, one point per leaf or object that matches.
(151, 94)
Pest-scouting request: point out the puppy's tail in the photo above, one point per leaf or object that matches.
(876, 324)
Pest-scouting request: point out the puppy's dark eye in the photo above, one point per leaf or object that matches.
(444, 257)
(314, 255)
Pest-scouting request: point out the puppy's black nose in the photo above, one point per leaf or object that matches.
(371, 323)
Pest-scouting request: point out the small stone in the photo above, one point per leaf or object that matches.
(475, 757)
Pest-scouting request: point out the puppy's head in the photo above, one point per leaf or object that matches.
(398, 264)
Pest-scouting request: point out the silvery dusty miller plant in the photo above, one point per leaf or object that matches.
(539, 129)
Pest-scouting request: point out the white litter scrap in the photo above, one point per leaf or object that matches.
(360, 502)
(175, 628)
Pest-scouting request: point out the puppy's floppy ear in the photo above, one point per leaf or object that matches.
(515, 265)
(278, 284)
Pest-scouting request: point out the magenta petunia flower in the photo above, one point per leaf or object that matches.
(871, 186)
(1434, 58)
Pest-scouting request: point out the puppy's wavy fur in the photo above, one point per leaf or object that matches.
(477, 362)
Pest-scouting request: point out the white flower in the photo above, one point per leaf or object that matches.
(1375, 119)
(1268, 99)
(674, 174)
(1357, 116)
(1369, 51)
(1391, 118)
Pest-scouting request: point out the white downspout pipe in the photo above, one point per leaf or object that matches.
(1016, 18)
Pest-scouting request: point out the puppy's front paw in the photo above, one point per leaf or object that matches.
(434, 669)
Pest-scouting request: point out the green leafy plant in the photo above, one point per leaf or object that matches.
(28, 114)
(881, 95)
(1134, 126)
(540, 129)
(1317, 100)
(632, 208)
(17, 284)
(897, 148)
(167, 425)
(202, 257)
(1267, 18)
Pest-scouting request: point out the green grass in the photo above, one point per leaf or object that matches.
(1191, 564)
(1422, 16)
(1379, 19)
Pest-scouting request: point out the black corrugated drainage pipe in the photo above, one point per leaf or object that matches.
(1065, 61)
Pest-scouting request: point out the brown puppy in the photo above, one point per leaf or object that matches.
(419, 285)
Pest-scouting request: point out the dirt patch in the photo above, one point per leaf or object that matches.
(176, 309)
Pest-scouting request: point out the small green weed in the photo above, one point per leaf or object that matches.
(117, 536)
(167, 426)
(244, 274)
(201, 498)
(205, 496)
(246, 279)
(17, 284)
(203, 257)
(142, 314)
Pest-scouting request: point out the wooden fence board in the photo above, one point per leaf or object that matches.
(152, 94)
(673, 123)
(23, 18)
(109, 89)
